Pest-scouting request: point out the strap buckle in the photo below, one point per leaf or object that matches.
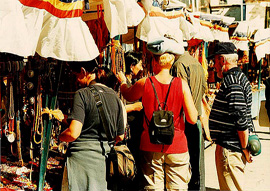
(98, 103)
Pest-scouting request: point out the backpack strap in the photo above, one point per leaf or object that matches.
(102, 115)
(167, 95)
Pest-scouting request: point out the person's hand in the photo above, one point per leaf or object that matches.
(134, 107)
(121, 77)
(138, 106)
(247, 155)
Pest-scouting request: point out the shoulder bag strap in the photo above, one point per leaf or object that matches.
(102, 115)
(157, 95)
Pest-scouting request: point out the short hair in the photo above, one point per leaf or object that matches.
(166, 60)
(107, 77)
(89, 66)
(132, 58)
(231, 58)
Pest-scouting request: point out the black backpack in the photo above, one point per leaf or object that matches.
(161, 126)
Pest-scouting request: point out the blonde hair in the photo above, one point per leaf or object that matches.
(166, 60)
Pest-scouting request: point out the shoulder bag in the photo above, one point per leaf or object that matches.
(120, 161)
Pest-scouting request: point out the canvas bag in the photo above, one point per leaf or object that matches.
(120, 161)
(161, 126)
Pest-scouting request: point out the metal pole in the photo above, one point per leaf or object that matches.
(47, 138)
(260, 75)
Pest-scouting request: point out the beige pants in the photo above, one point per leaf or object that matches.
(172, 170)
(230, 169)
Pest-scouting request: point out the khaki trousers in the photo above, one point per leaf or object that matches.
(171, 170)
(230, 169)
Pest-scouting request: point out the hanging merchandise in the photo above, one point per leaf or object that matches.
(98, 29)
(11, 116)
(240, 36)
(23, 95)
(113, 57)
(14, 37)
(262, 43)
(117, 57)
(61, 9)
(121, 14)
(203, 28)
(160, 22)
(50, 28)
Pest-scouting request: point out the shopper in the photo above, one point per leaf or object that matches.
(189, 68)
(163, 164)
(230, 119)
(134, 69)
(86, 167)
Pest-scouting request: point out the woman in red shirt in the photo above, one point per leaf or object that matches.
(164, 164)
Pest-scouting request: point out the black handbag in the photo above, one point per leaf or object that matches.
(161, 126)
(120, 161)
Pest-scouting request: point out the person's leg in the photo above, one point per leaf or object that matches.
(230, 169)
(177, 171)
(202, 166)
(153, 170)
(193, 138)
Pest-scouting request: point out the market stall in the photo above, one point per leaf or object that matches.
(37, 86)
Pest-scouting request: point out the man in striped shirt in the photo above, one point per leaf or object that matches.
(230, 119)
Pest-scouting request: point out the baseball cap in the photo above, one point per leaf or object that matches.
(224, 48)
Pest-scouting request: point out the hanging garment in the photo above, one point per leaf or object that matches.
(262, 43)
(13, 32)
(159, 23)
(239, 37)
(58, 8)
(121, 14)
(67, 39)
(98, 29)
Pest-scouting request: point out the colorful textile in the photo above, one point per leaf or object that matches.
(58, 8)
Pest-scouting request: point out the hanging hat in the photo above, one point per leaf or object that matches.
(163, 44)
(224, 48)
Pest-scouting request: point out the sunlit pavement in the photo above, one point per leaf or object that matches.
(257, 172)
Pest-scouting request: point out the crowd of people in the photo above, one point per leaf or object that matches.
(179, 165)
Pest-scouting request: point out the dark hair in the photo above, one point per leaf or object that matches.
(89, 66)
(107, 77)
(131, 59)
(240, 53)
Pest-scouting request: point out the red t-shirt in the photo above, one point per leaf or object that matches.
(174, 103)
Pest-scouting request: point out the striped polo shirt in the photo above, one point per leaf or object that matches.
(231, 110)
